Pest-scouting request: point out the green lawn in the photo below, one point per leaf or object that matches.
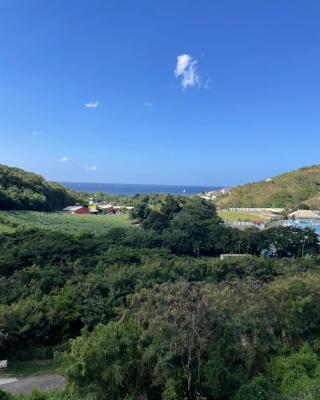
(25, 368)
(240, 216)
(99, 224)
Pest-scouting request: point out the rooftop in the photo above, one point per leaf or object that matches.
(304, 214)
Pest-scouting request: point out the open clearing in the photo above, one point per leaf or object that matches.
(63, 222)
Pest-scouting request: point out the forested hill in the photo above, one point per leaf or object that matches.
(21, 190)
(295, 189)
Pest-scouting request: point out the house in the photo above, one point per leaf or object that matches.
(225, 190)
(259, 223)
(304, 214)
(208, 198)
(77, 209)
(70, 208)
(93, 209)
(107, 208)
(81, 210)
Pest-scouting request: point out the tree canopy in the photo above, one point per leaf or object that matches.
(21, 190)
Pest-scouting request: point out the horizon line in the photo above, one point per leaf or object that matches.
(143, 184)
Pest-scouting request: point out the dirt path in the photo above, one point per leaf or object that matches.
(40, 382)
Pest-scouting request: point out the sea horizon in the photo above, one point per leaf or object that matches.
(130, 189)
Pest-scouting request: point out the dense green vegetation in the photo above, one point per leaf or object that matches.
(192, 227)
(296, 189)
(21, 190)
(63, 222)
(6, 228)
(150, 312)
(153, 199)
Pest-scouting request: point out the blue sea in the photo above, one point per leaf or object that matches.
(132, 189)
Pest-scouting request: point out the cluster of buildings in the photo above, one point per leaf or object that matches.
(96, 208)
(212, 195)
(274, 217)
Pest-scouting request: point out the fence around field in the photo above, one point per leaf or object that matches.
(256, 209)
(244, 224)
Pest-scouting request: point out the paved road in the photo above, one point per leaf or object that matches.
(6, 380)
(40, 382)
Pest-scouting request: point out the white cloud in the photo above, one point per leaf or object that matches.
(91, 168)
(186, 68)
(148, 104)
(64, 159)
(92, 104)
(35, 133)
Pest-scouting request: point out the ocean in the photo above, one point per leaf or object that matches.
(132, 189)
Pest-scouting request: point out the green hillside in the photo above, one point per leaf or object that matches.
(21, 190)
(299, 188)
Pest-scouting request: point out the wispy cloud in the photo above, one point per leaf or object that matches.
(36, 133)
(91, 168)
(207, 83)
(92, 104)
(148, 104)
(64, 159)
(186, 68)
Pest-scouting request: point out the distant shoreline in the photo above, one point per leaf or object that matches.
(132, 189)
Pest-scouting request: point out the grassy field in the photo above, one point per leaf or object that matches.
(240, 216)
(10, 220)
(26, 368)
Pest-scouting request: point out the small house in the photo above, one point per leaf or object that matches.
(81, 210)
(304, 214)
(107, 208)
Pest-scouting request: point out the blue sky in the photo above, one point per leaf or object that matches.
(172, 92)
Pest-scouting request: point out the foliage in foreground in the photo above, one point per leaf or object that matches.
(205, 341)
(148, 313)
(37, 395)
(238, 339)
